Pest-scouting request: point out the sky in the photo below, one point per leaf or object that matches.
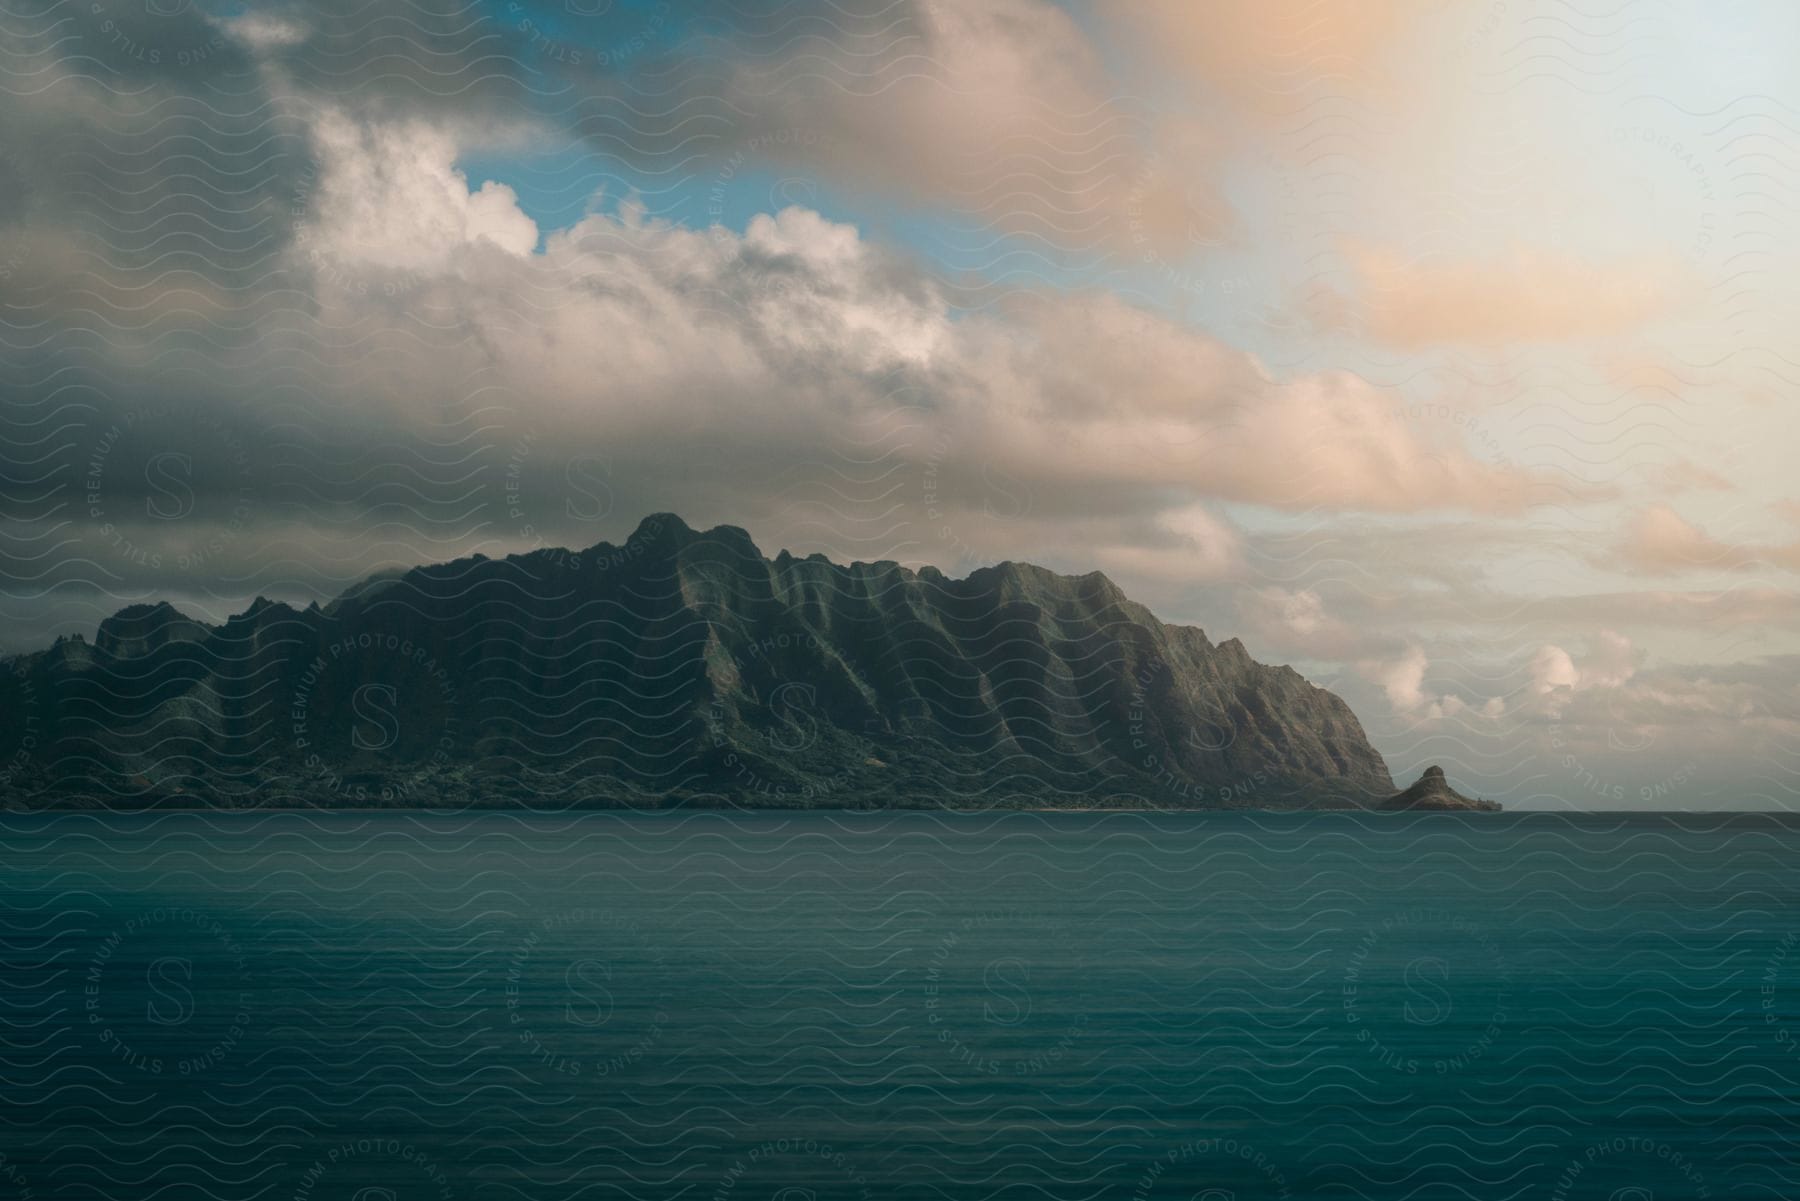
(1435, 347)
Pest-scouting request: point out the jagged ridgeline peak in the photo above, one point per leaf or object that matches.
(678, 667)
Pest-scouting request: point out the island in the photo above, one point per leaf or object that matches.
(682, 668)
(1432, 791)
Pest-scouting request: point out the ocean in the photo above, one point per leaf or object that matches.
(803, 1006)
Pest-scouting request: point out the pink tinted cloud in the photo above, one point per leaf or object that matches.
(1659, 541)
(1526, 295)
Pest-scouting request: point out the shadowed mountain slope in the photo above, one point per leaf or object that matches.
(678, 668)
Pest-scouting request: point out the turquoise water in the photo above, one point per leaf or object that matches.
(809, 1006)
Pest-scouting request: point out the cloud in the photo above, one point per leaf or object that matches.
(265, 32)
(1269, 51)
(1090, 386)
(1714, 609)
(999, 114)
(1552, 668)
(390, 201)
(1611, 660)
(799, 330)
(1685, 475)
(1555, 676)
(417, 373)
(1012, 121)
(1298, 623)
(1659, 541)
(1593, 727)
(1402, 680)
(1525, 296)
(1196, 546)
(1686, 735)
(391, 60)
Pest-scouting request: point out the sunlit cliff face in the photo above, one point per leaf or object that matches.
(1437, 348)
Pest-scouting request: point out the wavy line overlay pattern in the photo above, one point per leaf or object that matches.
(1434, 345)
(909, 1004)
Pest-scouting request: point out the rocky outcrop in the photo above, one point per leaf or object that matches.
(678, 668)
(1432, 791)
(139, 630)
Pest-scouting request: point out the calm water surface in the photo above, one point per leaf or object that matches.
(809, 1006)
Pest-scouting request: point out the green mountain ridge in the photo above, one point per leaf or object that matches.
(677, 668)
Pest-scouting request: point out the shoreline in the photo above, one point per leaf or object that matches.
(870, 810)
